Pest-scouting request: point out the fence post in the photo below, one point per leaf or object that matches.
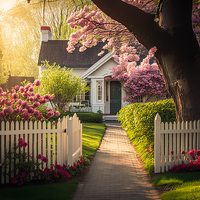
(70, 140)
(157, 123)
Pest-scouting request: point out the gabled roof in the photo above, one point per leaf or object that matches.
(55, 51)
(97, 65)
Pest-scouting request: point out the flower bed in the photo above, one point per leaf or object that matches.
(28, 169)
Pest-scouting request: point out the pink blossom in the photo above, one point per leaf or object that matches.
(57, 113)
(172, 152)
(36, 82)
(147, 150)
(15, 96)
(17, 87)
(73, 168)
(50, 114)
(36, 104)
(40, 156)
(21, 89)
(45, 159)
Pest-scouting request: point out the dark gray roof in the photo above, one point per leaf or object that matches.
(55, 51)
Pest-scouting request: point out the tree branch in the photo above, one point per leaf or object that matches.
(140, 23)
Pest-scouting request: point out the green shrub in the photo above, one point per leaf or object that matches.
(84, 117)
(138, 120)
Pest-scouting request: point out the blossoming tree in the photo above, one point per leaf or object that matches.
(171, 26)
(144, 80)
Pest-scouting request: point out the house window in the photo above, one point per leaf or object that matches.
(99, 90)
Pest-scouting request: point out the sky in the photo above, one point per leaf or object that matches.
(8, 4)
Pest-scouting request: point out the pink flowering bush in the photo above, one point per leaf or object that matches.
(23, 104)
(28, 168)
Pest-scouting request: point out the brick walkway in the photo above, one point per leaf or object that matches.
(115, 173)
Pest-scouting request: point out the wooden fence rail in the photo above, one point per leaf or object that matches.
(172, 142)
(61, 143)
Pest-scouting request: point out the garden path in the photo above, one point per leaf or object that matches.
(115, 172)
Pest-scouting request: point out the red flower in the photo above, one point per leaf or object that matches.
(45, 159)
(172, 152)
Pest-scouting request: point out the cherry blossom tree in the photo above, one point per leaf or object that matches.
(170, 25)
(140, 81)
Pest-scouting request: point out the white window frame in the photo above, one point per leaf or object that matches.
(99, 91)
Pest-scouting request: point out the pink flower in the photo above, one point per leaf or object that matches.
(1, 115)
(172, 152)
(66, 174)
(50, 114)
(36, 82)
(73, 168)
(17, 87)
(44, 172)
(53, 122)
(36, 104)
(81, 159)
(75, 164)
(64, 166)
(56, 175)
(45, 159)
(183, 152)
(147, 150)
(0, 164)
(40, 156)
(15, 96)
(24, 104)
(57, 113)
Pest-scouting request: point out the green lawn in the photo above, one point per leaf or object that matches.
(92, 135)
(186, 185)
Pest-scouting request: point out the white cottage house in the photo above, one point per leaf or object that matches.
(105, 95)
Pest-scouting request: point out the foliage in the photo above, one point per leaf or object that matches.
(138, 121)
(62, 84)
(23, 104)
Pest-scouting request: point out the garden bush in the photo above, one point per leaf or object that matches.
(84, 117)
(138, 120)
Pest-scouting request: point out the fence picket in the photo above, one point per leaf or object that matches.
(52, 142)
(182, 141)
(198, 134)
(176, 137)
(190, 136)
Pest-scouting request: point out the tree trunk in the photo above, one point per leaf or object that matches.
(179, 61)
(178, 54)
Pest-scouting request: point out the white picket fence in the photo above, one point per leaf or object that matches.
(176, 137)
(61, 144)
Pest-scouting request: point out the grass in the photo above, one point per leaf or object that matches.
(92, 135)
(185, 185)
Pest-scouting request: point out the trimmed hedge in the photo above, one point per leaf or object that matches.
(84, 117)
(138, 121)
